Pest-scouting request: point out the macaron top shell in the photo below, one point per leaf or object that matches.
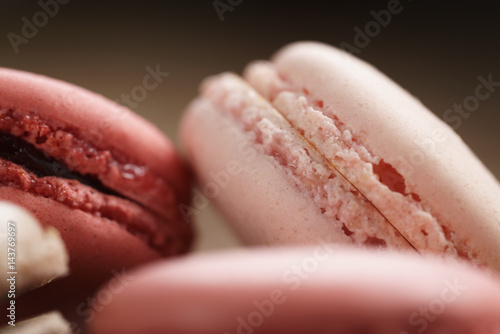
(318, 289)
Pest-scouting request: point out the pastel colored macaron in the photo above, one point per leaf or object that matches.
(319, 145)
(109, 181)
(50, 323)
(31, 255)
(321, 289)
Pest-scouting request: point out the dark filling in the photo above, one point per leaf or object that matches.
(28, 156)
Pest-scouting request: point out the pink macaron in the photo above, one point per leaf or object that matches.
(109, 181)
(321, 289)
(318, 145)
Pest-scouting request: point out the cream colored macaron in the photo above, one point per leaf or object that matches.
(31, 256)
(50, 323)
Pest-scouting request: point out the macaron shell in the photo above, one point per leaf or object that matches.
(96, 245)
(50, 323)
(229, 168)
(101, 121)
(335, 289)
(434, 161)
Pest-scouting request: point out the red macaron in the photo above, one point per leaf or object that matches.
(108, 180)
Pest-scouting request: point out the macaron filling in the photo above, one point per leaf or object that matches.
(26, 155)
(365, 197)
(56, 161)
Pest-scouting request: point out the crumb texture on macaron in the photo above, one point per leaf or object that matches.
(365, 198)
(350, 213)
(353, 157)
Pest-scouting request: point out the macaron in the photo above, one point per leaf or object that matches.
(321, 289)
(319, 145)
(31, 255)
(108, 180)
(50, 323)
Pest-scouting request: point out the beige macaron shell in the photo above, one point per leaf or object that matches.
(39, 255)
(434, 161)
(336, 288)
(50, 323)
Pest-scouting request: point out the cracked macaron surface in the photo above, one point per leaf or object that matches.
(328, 148)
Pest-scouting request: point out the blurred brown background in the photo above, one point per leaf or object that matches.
(435, 50)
